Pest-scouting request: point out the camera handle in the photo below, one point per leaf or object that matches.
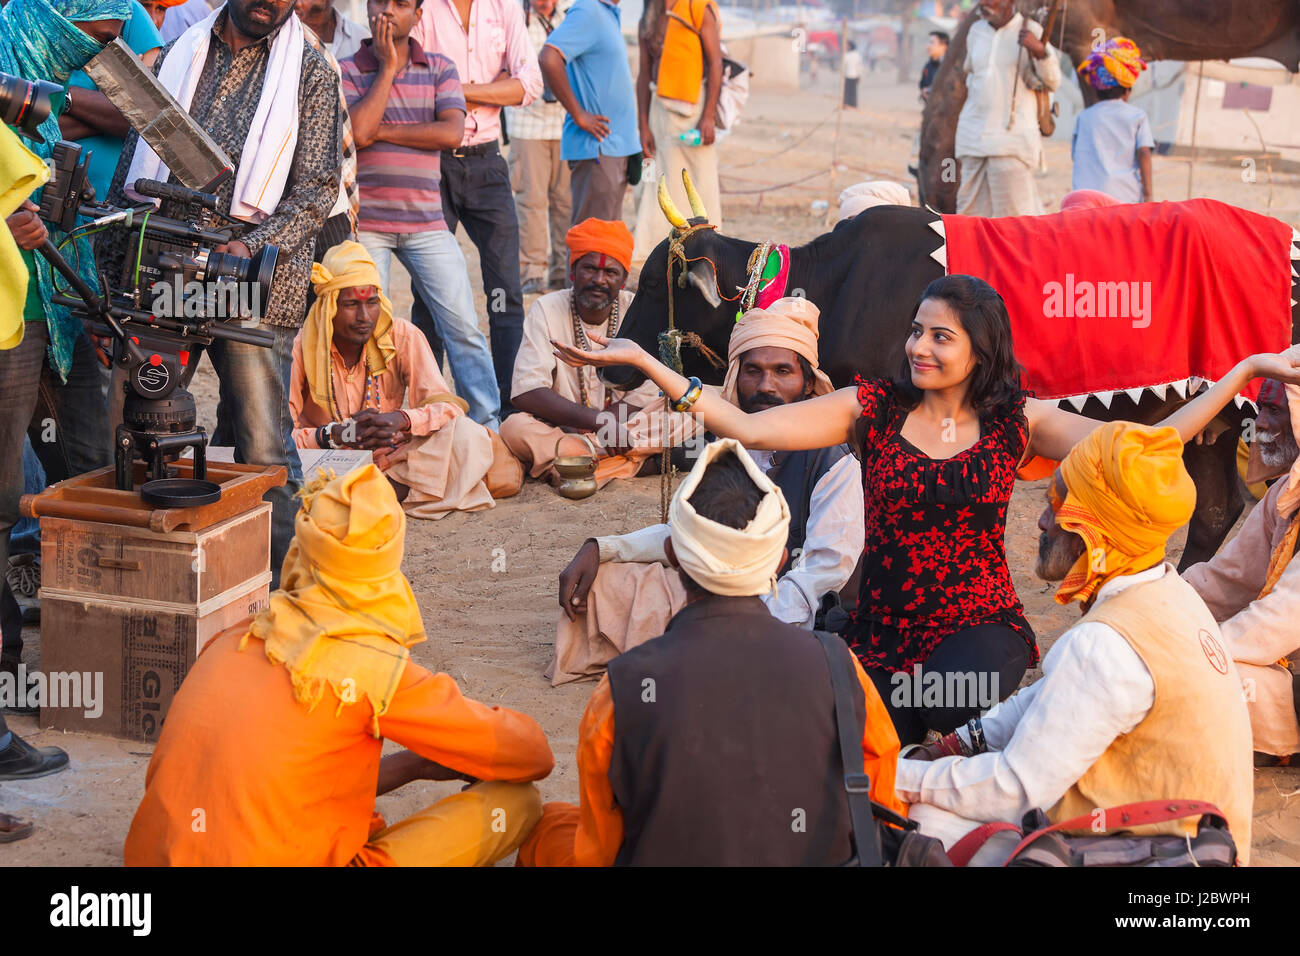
(96, 306)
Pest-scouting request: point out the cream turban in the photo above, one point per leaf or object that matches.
(789, 323)
(878, 192)
(730, 561)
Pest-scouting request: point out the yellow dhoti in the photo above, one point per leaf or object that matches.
(476, 827)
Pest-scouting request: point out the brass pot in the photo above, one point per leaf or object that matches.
(577, 473)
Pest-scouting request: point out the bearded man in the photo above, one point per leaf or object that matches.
(1252, 586)
(620, 591)
(555, 399)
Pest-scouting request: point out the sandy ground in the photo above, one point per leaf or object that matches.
(493, 630)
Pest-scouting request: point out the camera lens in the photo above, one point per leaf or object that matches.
(26, 104)
(257, 272)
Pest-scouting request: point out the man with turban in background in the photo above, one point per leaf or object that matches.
(1252, 586)
(353, 364)
(716, 743)
(554, 399)
(48, 370)
(1138, 701)
(270, 755)
(620, 591)
(1112, 142)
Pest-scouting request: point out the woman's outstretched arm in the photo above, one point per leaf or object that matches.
(1054, 431)
(815, 423)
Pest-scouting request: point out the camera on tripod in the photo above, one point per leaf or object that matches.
(175, 295)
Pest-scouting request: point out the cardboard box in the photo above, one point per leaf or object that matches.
(142, 649)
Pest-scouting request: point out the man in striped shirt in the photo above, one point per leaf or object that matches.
(406, 106)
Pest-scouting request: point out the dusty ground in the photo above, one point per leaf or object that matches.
(493, 631)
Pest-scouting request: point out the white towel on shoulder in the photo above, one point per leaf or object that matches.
(272, 136)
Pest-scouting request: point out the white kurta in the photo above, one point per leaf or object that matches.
(1041, 740)
(990, 67)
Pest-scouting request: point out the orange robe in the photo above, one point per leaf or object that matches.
(245, 775)
(591, 833)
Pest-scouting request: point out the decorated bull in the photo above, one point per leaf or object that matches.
(1119, 311)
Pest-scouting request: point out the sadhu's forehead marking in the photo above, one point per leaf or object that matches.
(361, 292)
(1271, 392)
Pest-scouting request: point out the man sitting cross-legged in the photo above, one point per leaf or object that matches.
(1252, 586)
(1138, 701)
(353, 363)
(553, 398)
(270, 754)
(716, 743)
(619, 592)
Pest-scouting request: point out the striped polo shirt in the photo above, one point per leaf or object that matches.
(399, 184)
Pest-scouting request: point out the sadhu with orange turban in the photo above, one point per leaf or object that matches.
(277, 732)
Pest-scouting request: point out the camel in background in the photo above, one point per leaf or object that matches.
(1163, 29)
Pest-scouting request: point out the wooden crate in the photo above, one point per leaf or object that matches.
(175, 567)
(143, 649)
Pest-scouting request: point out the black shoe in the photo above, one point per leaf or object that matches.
(21, 761)
(9, 665)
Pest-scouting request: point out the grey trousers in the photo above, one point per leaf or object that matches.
(598, 186)
(540, 180)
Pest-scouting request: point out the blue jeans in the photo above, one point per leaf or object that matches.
(25, 538)
(253, 416)
(440, 277)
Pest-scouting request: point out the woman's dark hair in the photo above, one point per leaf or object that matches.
(996, 379)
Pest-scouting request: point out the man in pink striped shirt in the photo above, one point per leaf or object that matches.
(488, 42)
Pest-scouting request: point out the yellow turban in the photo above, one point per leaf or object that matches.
(789, 323)
(345, 266)
(344, 615)
(1127, 492)
(734, 562)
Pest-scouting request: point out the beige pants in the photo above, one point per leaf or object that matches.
(540, 180)
(671, 157)
(997, 186)
(476, 827)
(1270, 698)
(444, 471)
(628, 604)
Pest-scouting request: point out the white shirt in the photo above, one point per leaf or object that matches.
(1042, 740)
(831, 548)
(990, 67)
(347, 37)
(852, 65)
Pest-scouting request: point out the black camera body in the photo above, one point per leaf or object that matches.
(174, 296)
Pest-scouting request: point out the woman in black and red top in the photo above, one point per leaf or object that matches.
(939, 447)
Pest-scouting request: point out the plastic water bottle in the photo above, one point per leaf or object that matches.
(691, 137)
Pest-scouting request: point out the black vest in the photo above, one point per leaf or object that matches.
(725, 749)
(796, 473)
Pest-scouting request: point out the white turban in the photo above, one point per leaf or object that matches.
(878, 192)
(734, 562)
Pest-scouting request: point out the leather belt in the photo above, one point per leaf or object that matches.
(482, 149)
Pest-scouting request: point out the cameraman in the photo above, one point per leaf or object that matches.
(271, 101)
(50, 384)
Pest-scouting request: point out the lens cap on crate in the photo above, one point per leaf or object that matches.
(180, 492)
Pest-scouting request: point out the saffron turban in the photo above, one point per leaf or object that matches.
(1118, 63)
(1127, 492)
(788, 323)
(1087, 199)
(344, 615)
(345, 266)
(734, 562)
(614, 239)
(877, 192)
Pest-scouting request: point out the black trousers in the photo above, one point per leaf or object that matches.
(476, 192)
(972, 670)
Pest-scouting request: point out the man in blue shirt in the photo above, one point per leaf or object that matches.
(585, 64)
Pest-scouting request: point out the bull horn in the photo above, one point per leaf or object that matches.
(697, 205)
(669, 207)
